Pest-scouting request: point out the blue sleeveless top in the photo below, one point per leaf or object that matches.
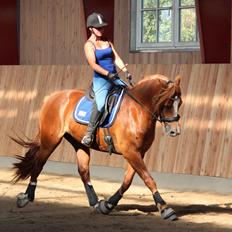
(104, 57)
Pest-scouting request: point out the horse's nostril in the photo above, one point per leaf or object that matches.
(173, 133)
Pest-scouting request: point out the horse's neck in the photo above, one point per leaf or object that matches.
(145, 93)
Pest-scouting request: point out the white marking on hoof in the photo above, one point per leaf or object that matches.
(22, 200)
(95, 209)
(168, 213)
(104, 207)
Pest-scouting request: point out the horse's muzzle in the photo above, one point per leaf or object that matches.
(172, 131)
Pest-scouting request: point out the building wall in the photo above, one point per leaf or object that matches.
(203, 148)
(53, 32)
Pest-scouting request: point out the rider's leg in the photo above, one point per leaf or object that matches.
(101, 89)
(120, 82)
(94, 119)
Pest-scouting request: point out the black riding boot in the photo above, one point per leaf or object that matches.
(94, 120)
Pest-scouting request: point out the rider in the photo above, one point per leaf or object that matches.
(103, 59)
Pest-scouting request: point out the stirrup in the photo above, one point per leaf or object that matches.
(87, 140)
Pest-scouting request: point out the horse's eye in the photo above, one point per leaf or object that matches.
(169, 104)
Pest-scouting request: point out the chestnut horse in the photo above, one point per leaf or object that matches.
(154, 98)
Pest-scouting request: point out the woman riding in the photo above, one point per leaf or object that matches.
(103, 59)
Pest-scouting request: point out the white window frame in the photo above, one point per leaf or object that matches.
(175, 45)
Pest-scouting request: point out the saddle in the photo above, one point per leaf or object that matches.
(83, 109)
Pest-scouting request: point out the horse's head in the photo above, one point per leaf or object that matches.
(167, 105)
(162, 99)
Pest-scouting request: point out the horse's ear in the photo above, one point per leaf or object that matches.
(177, 80)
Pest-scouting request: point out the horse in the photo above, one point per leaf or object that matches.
(153, 99)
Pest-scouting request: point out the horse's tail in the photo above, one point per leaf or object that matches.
(28, 162)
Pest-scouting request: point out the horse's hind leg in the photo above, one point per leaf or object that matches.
(83, 160)
(32, 165)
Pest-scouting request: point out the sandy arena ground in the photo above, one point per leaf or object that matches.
(61, 205)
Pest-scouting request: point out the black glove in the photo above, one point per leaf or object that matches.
(128, 76)
(111, 76)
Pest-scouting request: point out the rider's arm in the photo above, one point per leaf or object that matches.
(90, 56)
(118, 61)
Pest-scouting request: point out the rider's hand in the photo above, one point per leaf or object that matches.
(128, 76)
(111, 76)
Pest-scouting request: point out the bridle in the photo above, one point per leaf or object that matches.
(159, 116)
(175, 118)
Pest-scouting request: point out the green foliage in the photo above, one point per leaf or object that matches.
(157, 22)
(149, 27)
(187, 2)
(188, 25)
(165, 26)
(165, 3)
(149, 3)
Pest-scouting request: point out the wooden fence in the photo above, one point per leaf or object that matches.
(203, 148)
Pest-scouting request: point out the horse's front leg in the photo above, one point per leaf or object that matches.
(136, 161)
(106, 206)
(83, 159)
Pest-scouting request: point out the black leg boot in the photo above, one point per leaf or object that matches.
(94, 120)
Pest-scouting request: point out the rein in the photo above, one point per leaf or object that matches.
(155, 116)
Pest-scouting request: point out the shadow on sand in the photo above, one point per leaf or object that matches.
(41, 216)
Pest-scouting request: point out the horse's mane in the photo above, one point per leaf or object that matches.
(168, 89)
(153, 77)
(167, 93)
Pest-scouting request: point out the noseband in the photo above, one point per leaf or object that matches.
(168, 119)
(175, 118)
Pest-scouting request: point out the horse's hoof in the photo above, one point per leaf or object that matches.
(104, 207)
(95, 208)
(169, 213)
(22, 200)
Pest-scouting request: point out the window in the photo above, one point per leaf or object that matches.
(163, 24)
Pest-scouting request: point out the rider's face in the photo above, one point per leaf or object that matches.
(98, 31)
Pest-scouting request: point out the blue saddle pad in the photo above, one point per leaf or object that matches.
(82, 111)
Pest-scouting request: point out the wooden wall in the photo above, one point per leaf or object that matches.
(203, 148)
(53, 32)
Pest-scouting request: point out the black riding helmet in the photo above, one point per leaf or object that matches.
(96, 20)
